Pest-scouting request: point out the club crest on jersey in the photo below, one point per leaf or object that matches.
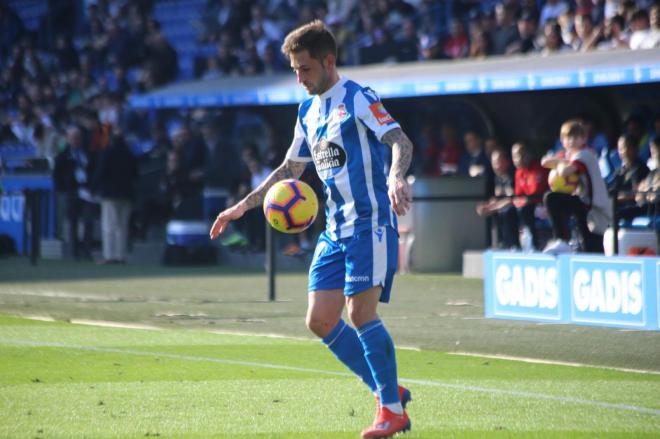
(328, 156)
(341, 114)
(380, 113)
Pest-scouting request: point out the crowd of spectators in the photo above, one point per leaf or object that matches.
(246, 35)
(64, 86)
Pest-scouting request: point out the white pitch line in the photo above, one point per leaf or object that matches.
(551, 362)
(461, 387)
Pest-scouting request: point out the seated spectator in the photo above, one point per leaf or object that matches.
(654, 134)
(635, 126)
(501, 206)
(588, 36)
(526, 40)
(482, 45)
(407, 42)
(505, 31)
(642, 35)
(647, 196)
(552, 39)
(615, 35)
(457, 44)
(531, 183)
(182, 195)
(567, 22)
(161, 62)
(226, 60)
(588, 203)
(441, 158)
(631, 173)
(475, 162)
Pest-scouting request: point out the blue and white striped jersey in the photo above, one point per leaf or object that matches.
(340, 130)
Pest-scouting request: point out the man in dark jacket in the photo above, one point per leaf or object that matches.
(73, 167)
(115, 184)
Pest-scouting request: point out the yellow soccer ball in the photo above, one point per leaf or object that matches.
(565, 185)
(290, 206)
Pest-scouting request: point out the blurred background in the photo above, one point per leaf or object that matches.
(168, 110)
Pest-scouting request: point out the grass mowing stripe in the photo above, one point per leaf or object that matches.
(459, 387)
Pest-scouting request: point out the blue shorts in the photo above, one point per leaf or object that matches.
(356, 264)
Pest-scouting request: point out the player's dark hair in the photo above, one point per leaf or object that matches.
(313, 37)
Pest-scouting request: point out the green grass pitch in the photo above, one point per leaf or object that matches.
(193, 378)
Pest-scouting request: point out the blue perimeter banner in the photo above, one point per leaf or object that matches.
(580, 289)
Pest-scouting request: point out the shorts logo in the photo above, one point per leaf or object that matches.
(379, 234)
(357, 278)
(380, 113)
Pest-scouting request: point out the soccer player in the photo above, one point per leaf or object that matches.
(342, 129)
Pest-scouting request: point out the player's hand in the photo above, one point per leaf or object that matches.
(224, 217)
(400, 195)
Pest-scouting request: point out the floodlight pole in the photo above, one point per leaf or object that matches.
(270, 261)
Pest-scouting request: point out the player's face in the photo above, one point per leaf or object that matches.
(310, 72)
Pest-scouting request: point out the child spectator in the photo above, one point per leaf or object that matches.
(531, 182)
(588, 204)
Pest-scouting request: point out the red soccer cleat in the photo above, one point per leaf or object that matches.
(404, 396)
(387, 424)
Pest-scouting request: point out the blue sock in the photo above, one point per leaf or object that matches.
(379, 352)
(344, 343)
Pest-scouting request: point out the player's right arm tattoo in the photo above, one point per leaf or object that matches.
(288, 169)
(402, 150)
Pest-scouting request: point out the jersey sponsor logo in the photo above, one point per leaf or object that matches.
(380, 113)
(357, 278)
(328, 156)
(340, 113)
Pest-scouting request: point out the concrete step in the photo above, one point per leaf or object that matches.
(473, 264)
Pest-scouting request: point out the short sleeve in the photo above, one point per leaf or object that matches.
(371, 111)
(299, 149)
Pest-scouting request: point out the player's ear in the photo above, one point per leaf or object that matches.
(330, 60)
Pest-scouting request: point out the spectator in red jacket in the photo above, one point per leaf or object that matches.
(531, 182)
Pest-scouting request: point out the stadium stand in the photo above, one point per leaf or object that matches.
(124, 67)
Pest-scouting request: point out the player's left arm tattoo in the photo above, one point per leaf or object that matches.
(402, 150)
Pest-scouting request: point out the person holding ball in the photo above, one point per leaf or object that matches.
(588, 203)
